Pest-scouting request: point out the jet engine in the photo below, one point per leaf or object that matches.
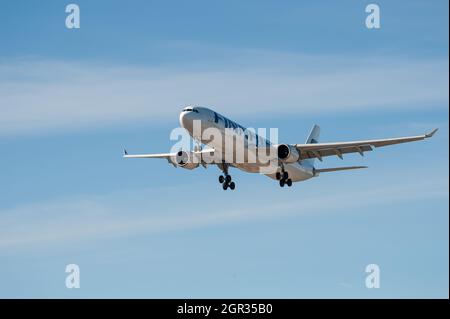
(186, 160)
(288, 153)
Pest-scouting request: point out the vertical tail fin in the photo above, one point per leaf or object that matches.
(313, 137)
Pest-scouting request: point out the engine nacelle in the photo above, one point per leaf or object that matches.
(186, 160)
(288, 153)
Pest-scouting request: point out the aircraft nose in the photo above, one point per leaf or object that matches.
(186, 120)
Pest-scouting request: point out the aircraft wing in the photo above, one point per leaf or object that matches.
(162, 155)
(319, 150)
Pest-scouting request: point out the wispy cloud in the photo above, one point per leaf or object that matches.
(59, 222)
(50, 95)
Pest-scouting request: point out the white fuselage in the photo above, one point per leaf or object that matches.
(209, 119)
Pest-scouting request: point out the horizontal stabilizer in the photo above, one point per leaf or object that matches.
(334, 169)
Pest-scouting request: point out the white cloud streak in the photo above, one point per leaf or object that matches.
(132, 213)
(51, 96)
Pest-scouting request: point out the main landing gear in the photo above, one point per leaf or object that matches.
(226, 182)
(284, 179)
(225, 179)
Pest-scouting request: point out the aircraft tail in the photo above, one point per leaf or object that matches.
(313, 138)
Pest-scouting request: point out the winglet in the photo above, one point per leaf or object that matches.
(125, 152)
(431, 133)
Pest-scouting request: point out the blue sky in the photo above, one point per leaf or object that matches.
(71, 100)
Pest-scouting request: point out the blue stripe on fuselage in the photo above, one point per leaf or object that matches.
(230, 124)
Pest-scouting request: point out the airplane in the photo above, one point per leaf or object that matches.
(293, 162)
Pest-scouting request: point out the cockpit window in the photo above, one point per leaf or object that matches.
(190, 109)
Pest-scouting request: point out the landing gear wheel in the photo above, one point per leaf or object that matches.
(278, 176)
(282, 182)
(289, 182)
(225, 179)
(285, 175)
